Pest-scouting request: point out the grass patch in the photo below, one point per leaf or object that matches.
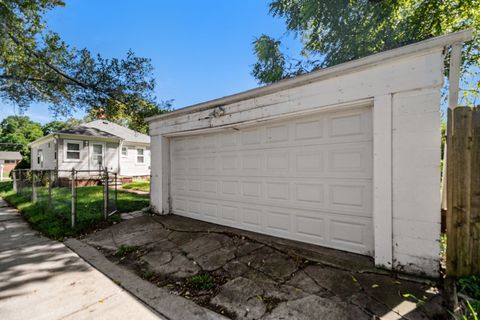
(202, 281)
(55, 222)
(140, 185)
(124, 250)
(6, 187)
(470, 286)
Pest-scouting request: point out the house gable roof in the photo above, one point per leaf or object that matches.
(10, 155)
(88, 131)
(126, 134)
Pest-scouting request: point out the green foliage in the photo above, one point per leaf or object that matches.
(5, 188)
(124, 250)
(18, 132)
(443, 247)
(470, 286)
(271, 62)
(37, 66)
(56, 125)
(138, 185)
(55, 222)
(202, 281)
(333, 32)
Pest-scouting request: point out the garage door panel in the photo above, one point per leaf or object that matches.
(341, 196)
(351, 234)
(307, 179)
(317, 227)
(351, 160)
(251, 217)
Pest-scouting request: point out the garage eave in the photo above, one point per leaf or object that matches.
(437, 43)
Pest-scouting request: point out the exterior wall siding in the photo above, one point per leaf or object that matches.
(126, 166)
(129, 166)
(8, 167)
(48, 150)
(85, 163)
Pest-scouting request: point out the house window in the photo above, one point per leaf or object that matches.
(39, 156)
(73, 150)
(10, 161)
(141, 156)
(124, 152)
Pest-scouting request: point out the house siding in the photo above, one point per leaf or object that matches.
(129, 166)
(48, 149)
(111, 156)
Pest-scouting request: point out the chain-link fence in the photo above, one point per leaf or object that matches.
(72, 195)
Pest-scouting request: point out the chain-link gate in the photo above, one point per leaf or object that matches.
(61, 192)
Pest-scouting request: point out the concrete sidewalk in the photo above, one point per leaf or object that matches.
(43, 279)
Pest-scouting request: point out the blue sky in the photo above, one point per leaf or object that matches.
(201, 50)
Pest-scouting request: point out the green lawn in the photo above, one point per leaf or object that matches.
(138, 185)
(55, 222)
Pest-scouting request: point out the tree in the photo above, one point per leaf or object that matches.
(57, 125)
(37, 66)
(16, 132)
(333, 32)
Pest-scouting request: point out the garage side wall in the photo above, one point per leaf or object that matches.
(416, 181)
(405, 94)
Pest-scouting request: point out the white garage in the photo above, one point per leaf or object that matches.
(306, 178)
(346, 157)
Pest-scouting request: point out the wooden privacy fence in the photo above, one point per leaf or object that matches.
(463, 191)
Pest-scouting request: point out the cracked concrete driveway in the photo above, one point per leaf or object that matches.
(244, 275)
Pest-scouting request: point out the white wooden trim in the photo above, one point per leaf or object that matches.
(382, 180)
(340, 106)
(160, 175)
(454, 76)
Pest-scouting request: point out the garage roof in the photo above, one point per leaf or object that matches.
(10, 155)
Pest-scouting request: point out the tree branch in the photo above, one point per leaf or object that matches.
(33, 79)
(57, 70)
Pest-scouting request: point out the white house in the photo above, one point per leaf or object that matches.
(346, 157)
(8, 161)
(93, 146)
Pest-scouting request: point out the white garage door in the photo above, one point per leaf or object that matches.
(307, 179)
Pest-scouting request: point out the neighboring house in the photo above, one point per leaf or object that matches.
(346, 157)
(8, 161)
(94, 146)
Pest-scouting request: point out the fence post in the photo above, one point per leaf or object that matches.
(116, 191)
(74, 199)
(50, 189)
(34, 189)
(105, 194)
(463, 191)
(14, 181)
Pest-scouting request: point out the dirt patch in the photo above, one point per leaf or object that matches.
(198, 288)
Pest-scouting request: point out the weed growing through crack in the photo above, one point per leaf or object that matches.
(202, 281)
(270, 302)
(147, 274)
(124, 250)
